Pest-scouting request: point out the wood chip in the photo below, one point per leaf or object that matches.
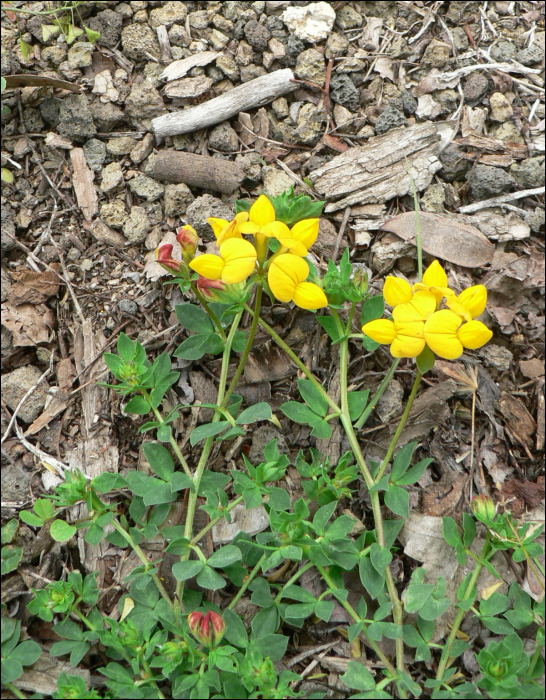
(454, 241)
(518, 419)
(378, 170)
(82, 182)
(30, 287)
(30, 324)
(178, 69)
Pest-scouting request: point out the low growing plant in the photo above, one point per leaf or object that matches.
(183, 645)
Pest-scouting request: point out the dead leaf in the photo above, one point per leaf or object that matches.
(521, 496)
(15, 81)
(335, 144)
(427, 108)
(245, 128)
(532, 368)
(520, 422)
(30, 324)
(32, 287)
(383, 66)
(178, 69)
(82, 181)
(242, 520)
(473, 121)
(444, 238)
(56, 141)
(268, 363)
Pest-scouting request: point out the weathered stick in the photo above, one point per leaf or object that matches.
(200, 171)
(255, 93)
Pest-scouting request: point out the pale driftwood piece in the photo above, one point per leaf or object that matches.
(199, 171)
(378, 171)
(178, 69)
(255, 93)
(82, 181)
(164, 43)
(96, 451)
(42, 676)
(488, 203)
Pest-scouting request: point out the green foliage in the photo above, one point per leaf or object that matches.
(341, 284)
(16, 654)
(291, 208)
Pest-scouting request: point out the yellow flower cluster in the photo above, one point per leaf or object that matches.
(287, 271)
(418, 321)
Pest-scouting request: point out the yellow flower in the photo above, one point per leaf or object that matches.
(262, 220)
(300, 237)
(223, 230)
(435, 281)
(470, 303)
(286, 278)
(447, 338)
(236, 262)
(406, 338)
(421, 306)
(397, 291)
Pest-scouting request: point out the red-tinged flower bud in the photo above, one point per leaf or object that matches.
(210, 289)
(208, 629)
(163, 255)
(483, 508)
(187, 237)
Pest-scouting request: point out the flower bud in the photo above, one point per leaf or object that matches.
(210, 289)
(163, 255)
(187, 237)
(483, 508)
(208, 629)
(360, 280)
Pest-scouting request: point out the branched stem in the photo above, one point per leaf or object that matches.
(213, 522)
(252, 575)
(293, 579)
(378, 394)
(469, 593)
(213, 317)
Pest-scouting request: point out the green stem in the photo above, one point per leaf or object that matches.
(126, 536)
(535, 658)
(356, 617)
(401, 426)
(213, 522)
(14, 690)
(172, 440)
(213, 317)
(378, 394)
(397, 611)
(293, 579)
(252, 575)
(292, 355)
(461, 613)
(249, 342)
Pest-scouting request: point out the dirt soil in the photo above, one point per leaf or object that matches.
(85, 212)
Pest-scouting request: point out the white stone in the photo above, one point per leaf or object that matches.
(311, 23)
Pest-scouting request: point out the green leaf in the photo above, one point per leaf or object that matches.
(357, 402)
(242, 205)
(107, 481)
(25, 49)
(369, 345)
(380, 557)
(31, 519)
(11, 670)
(414, 473)
(162, 493)
(44, 508)
(138, 405)
(11, 556)
(279, 499)
(469, 530)
(61, 531)
(397, 500)
(358, 677)
(179, 481)
(194, 347)
(9, 530)
(451, 532)
(372, 581)
(330, 326)
(372, 309)
(210, 579)
(312, 397)
(92, 35)
(126, 347)
(225, 556)
(7, 177)
(299, 412)
(236, 633)
(324, 609)
(94, 535)
(291, 208)
(272, 646)
(207, 430)
(193, 318)
(160, 459)
(183, 570)
(402, 461)
(260, 411)
(425, 361)
(140, 484)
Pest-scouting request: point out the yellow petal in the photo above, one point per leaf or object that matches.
(435, 275)
(422, 305)
(249, 227)
(208, 266)
(397, 291)
(306, 231)
(262, 211)
(474, 299)
(381, 330)
(405, 346)
(441, 334)
(294, 246)
(455, 305)
(217, 225)
(276, 229)
(309, 296)
(240, 258)
(285, 273)
(474, 334)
